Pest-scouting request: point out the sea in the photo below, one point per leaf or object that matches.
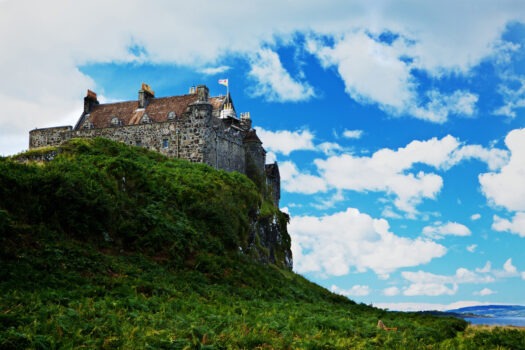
(497, 321)
(500, 315)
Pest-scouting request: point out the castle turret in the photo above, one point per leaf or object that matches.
(246, 121)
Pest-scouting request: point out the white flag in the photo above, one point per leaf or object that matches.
(223, 82)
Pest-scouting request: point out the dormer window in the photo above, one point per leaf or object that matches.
(115, 121)
(171, 115)
(88, 125)
(145, 119)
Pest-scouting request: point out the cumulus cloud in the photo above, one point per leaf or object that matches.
(475, 217)
(285, 142)
(439, 230)
(393, 172)
(372, 71)
(425, 283)
(353, 134)
(509, 270)
(299, 182)
(330, 148)
(349, 241)
(377, 72)
(273, 82)
(428, 306)
(472, 248)
(215, 70)
(440, 106)
(503, 188)
(391, 291)
(485, 292)
(513, 93)
(356, 291)
(40, 65)
(515, 225)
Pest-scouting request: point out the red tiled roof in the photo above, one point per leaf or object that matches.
(157, 109)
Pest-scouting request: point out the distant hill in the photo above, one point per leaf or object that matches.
(105, 246)
(493, 310)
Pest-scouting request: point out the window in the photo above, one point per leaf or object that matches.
(165, 143)
(145, 119)
(115, 121)
(171, 115)
(88, 125)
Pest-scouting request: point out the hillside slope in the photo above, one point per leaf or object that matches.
(109, 246)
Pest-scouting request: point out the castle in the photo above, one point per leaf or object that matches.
(195, 127)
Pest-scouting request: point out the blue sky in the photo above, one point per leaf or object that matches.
(399, 128)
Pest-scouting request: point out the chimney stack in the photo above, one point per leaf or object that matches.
(89, 101)
(203, 93)
(145, 95)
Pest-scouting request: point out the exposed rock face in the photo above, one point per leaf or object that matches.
(270, 241)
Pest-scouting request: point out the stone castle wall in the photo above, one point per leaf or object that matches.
(49, 136)
(195, 136)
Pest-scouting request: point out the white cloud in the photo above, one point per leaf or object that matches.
(495, 158)
(430, 289)
(429, 306)
(425, 283)
(355, 291)
(504, 188)
(353, 134)
(438, 230)
(440, 106)
(294, 181)
(475, 217)
(516, 225)
(377, 72)
(485, 269)
(372, 71)
(345, 241)
(513, 98)
(40, 65)
(485, 292)
(330, 148)
(509, 270)
(472, 248)
(390, 171)
(391, 291)
(285, 142)
(274, 83)
(328, 203)
(215, 70)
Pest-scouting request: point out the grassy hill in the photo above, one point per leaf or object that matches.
(108, 246)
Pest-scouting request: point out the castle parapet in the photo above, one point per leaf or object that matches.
(49, 136)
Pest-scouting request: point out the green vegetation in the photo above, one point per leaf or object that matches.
(114, 247)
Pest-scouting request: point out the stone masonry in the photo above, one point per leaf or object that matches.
(195, 127)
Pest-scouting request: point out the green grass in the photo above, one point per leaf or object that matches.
(163, 260)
